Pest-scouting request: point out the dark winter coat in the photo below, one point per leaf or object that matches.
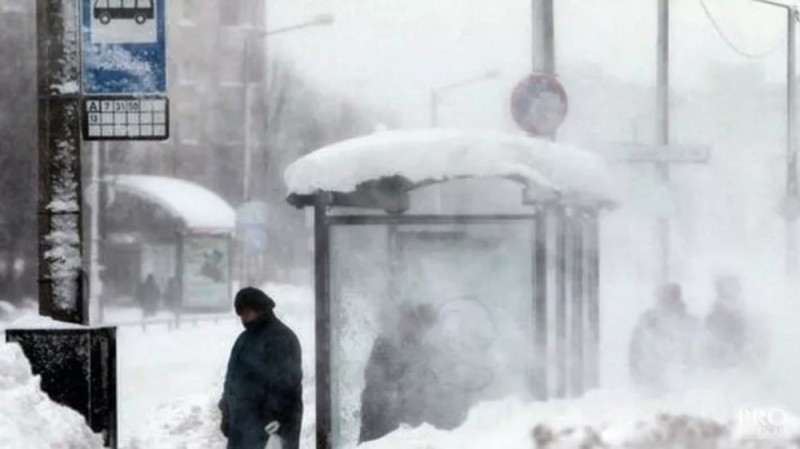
(149, 294)
(263, 384)
(402, 388)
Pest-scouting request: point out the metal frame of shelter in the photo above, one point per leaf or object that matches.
(563, 233)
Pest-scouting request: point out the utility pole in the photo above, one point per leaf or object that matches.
(791, 210)
(544, 55)
(662, 128)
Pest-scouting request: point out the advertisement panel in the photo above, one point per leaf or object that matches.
(206, 272)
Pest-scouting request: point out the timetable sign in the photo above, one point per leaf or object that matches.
(125, 118)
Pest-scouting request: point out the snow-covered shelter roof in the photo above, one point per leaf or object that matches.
(199, 208)
(425, 156)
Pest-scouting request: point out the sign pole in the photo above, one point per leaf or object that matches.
(61, 294)
(94, 239)
(543, 34)
(543, 31)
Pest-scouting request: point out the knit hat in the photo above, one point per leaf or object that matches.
(251, 298)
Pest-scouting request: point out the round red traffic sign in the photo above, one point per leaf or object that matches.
(539, 105)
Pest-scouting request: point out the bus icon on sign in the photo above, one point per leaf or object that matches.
(138, 10)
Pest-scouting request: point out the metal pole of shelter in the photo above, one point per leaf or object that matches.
(540, 383)
(323, 321)
(592, 248)
(578, 310)
(561, 224)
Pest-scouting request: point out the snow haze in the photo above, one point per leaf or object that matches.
(370, 76)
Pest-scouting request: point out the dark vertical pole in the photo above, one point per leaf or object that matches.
(561, 301)
(791, 147)
(543, 37)
(181, 277)
(323, 320)
(548, 23)
(61, 290)
(593, 297)
(578, 340)
(540, 381)
(662, 127)
(543, 55)
(394, 263)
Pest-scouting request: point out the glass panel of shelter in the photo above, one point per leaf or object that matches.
(475, 278)
(479, 278)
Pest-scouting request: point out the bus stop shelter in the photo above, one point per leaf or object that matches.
(496, 234)
(193, 246)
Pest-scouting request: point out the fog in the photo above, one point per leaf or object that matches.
(376, 67)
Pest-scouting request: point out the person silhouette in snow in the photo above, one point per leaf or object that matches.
(263, 393)
(734, 341)
(148, 295)
(663, 350)
(398, 378)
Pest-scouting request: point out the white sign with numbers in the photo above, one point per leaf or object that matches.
(126, 118)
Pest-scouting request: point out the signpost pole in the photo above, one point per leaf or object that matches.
(543, 34)
(59, 203)
(94, 238)
(662, 126)
(543, 31)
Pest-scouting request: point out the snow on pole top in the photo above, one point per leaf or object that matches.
(439, 155)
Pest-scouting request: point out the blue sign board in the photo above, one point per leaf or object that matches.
(124, 47)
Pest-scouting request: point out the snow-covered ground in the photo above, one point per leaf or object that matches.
(170, 380)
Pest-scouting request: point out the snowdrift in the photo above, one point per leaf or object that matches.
(715, 418)
(28, 418)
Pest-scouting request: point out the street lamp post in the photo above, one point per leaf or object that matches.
(436, 93)
(791, 210)
(321, 20)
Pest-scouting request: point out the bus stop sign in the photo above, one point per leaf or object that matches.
(124, 70)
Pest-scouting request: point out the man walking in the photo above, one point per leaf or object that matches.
(263, 394)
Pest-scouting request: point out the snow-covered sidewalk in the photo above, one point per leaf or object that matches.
(170, 381)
